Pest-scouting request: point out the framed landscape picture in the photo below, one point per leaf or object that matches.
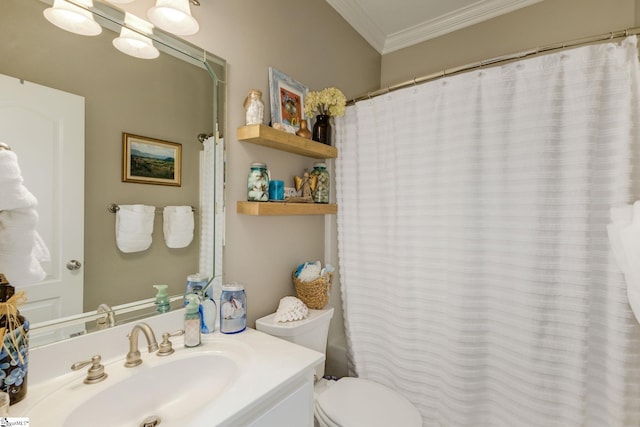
(287, 99)
(151, 161)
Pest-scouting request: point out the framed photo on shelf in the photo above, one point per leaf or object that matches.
(151, 161)
(287, 99)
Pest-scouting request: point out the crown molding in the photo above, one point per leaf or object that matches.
(482, 10)
(361, 22)
(456, 20)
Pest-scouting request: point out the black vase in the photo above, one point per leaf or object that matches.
(322, 129)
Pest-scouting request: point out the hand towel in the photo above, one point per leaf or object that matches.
(13, 194)
(621, 217)
(624, 238)
(134, 226)
(178, 226)
(630, 237)
(21, 248)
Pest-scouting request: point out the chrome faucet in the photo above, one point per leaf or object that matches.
(109, 320)
(133, 357)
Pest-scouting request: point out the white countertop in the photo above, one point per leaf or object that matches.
(267, 366)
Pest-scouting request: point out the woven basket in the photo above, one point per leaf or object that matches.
(314, 294)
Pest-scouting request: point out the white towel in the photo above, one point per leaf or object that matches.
(624, 237)
(178, 226)
(13, 194)
(134, 226)
(21, 247)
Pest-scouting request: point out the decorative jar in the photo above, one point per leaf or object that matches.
(254, 108)
(321, 192)
(233, 309)
(258, 183)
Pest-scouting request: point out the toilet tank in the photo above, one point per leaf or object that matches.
(310, 332)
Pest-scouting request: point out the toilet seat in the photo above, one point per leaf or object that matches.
(359, 402)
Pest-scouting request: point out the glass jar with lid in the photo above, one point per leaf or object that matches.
(233, 309)
(321, 193)
(258, 183)
(254, 108)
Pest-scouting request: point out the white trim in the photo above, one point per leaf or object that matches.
(480, 11)
(461, 18)
(358, 18)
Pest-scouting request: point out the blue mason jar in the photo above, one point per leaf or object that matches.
(258, 183)
(233, 309)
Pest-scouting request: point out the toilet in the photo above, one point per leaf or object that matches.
(348, 402)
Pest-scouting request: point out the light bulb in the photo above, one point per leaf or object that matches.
(173, 16)
(73, 18)
(133, 43)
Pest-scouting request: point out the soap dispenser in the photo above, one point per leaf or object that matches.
(192, 321)
(162, 299)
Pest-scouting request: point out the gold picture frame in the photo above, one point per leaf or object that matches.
(151, 161)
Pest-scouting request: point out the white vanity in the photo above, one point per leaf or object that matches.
(245, 379)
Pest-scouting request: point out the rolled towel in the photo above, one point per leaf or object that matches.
(178, 226)
(134, 226)
(630, 238)
(13, 194)
(309, 271)
(21, 247)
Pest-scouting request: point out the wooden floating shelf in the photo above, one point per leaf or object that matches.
(284, 208)
(284, 141)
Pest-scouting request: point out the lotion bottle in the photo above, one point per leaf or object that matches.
(192, 321)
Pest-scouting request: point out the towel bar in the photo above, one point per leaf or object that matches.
(4, 146)
(114, 207)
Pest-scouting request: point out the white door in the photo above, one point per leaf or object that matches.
(45, 128)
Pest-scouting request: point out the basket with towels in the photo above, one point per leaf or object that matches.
(313, 283)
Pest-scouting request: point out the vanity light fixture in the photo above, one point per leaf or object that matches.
(173, 16)
(73, 18)
(135, 43)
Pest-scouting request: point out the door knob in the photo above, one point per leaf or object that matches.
(74, 265)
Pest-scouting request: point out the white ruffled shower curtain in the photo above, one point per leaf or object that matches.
(476, 273)
(211, 212)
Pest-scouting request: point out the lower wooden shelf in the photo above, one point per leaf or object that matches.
(284, 208)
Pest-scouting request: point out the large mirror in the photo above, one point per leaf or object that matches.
(175, 97)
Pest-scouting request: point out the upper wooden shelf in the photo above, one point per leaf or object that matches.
(284, 141)
(285, 208)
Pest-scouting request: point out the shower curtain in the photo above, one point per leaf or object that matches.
(476, 274)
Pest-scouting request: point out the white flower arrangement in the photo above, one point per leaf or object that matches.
(330, 101)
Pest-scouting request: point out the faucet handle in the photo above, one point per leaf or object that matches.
(96, 372)
(166, 347)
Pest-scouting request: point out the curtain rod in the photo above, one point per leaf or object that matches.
(499, 60)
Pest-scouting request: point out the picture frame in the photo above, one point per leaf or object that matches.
(287, 99)
(151, 161)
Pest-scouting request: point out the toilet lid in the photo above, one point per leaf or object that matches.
(359, 402)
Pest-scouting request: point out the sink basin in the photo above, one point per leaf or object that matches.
(234, 380)
(165, 389)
